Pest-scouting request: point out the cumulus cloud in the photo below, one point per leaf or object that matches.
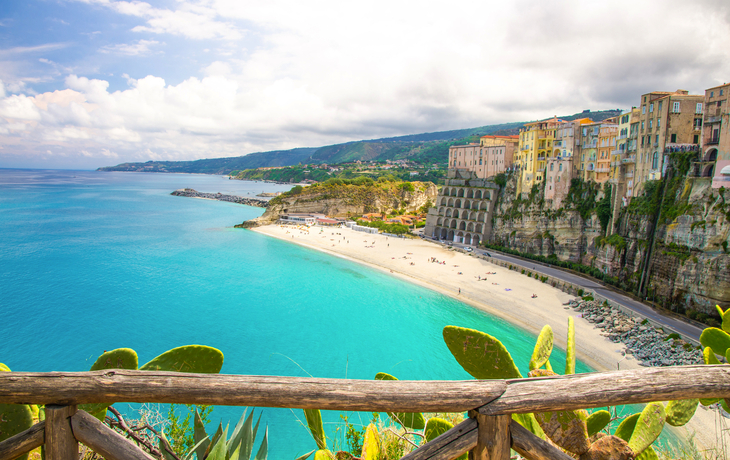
(140, 47)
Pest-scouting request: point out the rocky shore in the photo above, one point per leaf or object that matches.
(650, 346)
(188, 192)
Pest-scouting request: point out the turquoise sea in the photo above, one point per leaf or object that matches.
(92, 261)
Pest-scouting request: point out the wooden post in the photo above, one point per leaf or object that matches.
(493, 437)
(60, 441)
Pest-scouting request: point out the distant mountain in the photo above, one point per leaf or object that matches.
(419, 148)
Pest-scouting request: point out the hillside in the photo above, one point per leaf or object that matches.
(423, 148)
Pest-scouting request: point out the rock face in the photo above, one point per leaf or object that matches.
(348, 200)
(188, 192)
(685, 266)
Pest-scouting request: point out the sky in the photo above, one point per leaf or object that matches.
(90, 83)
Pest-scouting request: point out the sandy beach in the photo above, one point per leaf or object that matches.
(523, 301)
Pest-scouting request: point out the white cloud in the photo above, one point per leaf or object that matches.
(2, 89)
(141, 47)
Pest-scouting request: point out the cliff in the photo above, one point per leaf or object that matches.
(669, 245)
(348, 200)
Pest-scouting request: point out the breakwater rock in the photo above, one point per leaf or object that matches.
(188, 192)
(650, 346)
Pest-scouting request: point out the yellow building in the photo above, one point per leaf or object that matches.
(535, 147)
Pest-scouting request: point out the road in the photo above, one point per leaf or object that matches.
(684, 329)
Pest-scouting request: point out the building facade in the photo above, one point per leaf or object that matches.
(491, 156)
(716, 137)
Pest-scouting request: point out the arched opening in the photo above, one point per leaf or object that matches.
(470, 227)
(451, 202)
(480, 217)
(465, 214)
(453, 224)
(457, 204)
(708, 171)
(450, 235)
(460, 193)
(441, 211)
(470, 193)
(459, 238)
(448, 212)
(655, 161)
(472, 216)
(479, 228)
(478, 195)
(487, 195)
(462, 225)
(443, 201)
(440, 221)
(711, 155)
(483, 206)
(467, 204)
(467, 238)
(475, 240)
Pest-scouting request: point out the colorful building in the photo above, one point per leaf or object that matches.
(535, 147)
(715, 137)
(560, 166)
(493, 155)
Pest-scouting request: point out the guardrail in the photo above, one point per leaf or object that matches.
(489, 433)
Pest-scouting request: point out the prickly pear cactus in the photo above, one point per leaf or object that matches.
(4, 368)
(480, 354)
(436, 427)
(725, 316)
(529, 422)
(626, 427)
(543, 348)
(597, 421)
(709, 356)
(717, 339)
(648, 427)
(648, 454)
(570, 350)
(413, 420)
(680, 412)
(566, 428)
(316, 427)
(371, 444)
(323, 454)
(609, 448)
(189, 358)
(121, 358)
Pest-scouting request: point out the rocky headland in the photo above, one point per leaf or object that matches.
(188, 192)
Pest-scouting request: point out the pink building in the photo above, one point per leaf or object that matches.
(493, 155)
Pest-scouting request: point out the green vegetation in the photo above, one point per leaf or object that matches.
(385, 227)
(582, 197)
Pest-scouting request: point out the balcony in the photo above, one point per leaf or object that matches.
(629, 175)
(674, 147)
(713, 141)
(629, 160)
(603, 169)
(541, 158)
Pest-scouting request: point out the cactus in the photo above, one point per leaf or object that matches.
(678, 413)
(725, 318)
(238, 447)
(413, 420)
(597, 421)
(648, 454)
(121, 358)
(709, 356)
(480, 354)
(626, 427)
(570, 350)
(436, 427)
(648, 427)
(543, 348)
(717, 339)
(566, 428)
(314, 422)
(14, 418)
(609, 448)
(189, 358)
(371, 444)
(529, 422)
(200, 437)
(322, 454)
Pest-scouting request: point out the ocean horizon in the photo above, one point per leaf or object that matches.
(93, 261)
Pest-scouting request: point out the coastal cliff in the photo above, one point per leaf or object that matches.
(348, 200)
(669, 245)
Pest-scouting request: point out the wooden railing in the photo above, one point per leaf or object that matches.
(488, 433)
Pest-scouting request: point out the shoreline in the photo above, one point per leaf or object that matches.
(490, 288)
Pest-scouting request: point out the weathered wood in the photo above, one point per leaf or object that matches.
(105, 441)
(493, 438)
(533, 448)
(611, 388)
(456, 441)
(60, 441)
(121, 385)
(23, 442)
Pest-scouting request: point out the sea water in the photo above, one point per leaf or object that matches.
(93, 261)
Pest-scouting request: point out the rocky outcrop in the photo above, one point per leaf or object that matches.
(188, 192)
(347, 200)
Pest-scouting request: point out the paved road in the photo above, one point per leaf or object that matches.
(683, 328)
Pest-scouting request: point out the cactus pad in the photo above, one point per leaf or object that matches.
(626, 427)
(543, 348)
(4, 368)
(725, 317)
(480, 354)
(648, 454)
(648, 427)
(680, 412)
(570, 349)
(436, 427)
(529, 422)
(717, 339)
(413, 420)
(322, 454)
(190, 358)
(314, 422)
(566, 428)
(371, 444)
(597, 421)
(709, 356)
(609, 448)
(121, 358)
(14, 419)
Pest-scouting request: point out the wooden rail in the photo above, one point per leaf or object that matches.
(488, 433)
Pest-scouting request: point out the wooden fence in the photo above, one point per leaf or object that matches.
(488, 433)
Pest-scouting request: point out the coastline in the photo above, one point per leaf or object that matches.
(505, 294)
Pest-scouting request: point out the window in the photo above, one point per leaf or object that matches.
(658, 123)
(643, 108)
(655, 161)
(719, 103)
(659, 109)
(551, 166)
(721, 91)
(675, 107)
(559, 177)
(642, 125)
(650, 123)
(698, 109)
(695, 139)
(712, 94)
(698, 123)
(651, 108)
(560, 167)
(656, 140)
(674, 138)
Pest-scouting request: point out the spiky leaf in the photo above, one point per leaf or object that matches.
(199, 359)
(480, 354)
(597, 421)
(413, 420)
(200, 436)
(678, 413)
(218, 450)
(543, 348)
(570, 350)
(648, 427)
(717, 339)
(323, 454)
(305, 456)
(166, 455)
(264, 447)
(316, 427)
